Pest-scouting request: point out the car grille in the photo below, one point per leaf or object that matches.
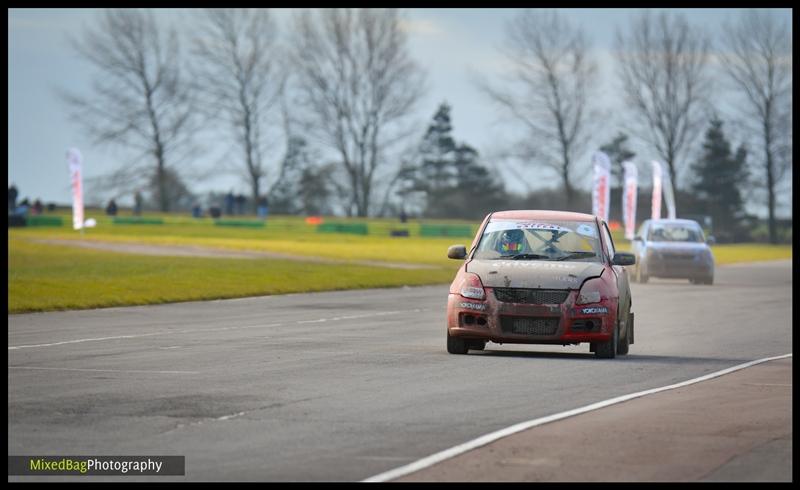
(676, 256)
(531, 296)
(527, 325)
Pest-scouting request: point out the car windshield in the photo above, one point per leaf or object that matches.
(674, 233)
(549, 240)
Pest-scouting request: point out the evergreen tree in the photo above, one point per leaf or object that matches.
(618, 152)
(303, 187)
(719, 177)
(455, 183)
(437, 152)
(284, 195)
(316, 194)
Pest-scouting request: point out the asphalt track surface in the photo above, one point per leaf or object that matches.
(341, 386)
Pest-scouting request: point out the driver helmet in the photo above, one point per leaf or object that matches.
(511, 240)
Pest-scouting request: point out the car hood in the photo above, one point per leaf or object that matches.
(533, 273)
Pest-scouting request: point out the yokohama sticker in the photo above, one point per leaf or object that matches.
(596, 309)
(473, 306)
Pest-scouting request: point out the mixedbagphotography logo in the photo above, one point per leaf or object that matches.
(96, 465)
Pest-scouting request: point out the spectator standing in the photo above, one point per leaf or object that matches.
(111, 209)
(263, 207)
(240, 203)
(38, 207)
(197, 212)
(137, 203)
(23, 207)
(12, 198)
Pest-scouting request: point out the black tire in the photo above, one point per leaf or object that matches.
(631, 330)
(456, 345)
(477, 345)
(624, 342)
(709, 281)
(608, 350)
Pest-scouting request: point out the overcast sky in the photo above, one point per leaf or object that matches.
(452, 45)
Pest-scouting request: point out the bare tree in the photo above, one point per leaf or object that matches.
(757, 58)
(139, 100)
(357, 84)
(549, 90)
(237, 70)
(663, 66)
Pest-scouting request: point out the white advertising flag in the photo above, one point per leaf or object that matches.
(669, 197)
(656, 203)
(74, 159)
(629, 198)
(601, 188)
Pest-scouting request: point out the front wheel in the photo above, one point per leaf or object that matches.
(456, 345)
(608, 350)
(477, 345)
(624, 342)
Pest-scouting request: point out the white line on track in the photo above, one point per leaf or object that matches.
(102, 370)
(491, 437)
(351, 317)
(221, 329)
(231, 416)
(78, 341)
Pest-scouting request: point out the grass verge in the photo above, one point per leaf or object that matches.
(417, 250)
(45, 278)
(750, 252)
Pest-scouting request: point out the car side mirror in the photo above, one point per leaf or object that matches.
(457, 252)
(711, 240)
(637, 238)
(623, 258)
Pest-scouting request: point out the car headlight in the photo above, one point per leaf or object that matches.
(472, 287)
(590, 292)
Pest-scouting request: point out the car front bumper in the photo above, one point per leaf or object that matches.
(519, 323)
(698, 267)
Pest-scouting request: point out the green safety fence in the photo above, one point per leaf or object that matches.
(44, 221)
(445, 230)
(125, 220)
(353, 228)
(239, 223)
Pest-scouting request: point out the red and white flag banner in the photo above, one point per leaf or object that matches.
(656, 202)
(75, 160)
(629, 198)
(602, 184)
(669, 197)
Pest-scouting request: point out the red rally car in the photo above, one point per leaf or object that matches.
(541, 277)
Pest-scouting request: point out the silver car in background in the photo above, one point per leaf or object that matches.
(673, 248)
